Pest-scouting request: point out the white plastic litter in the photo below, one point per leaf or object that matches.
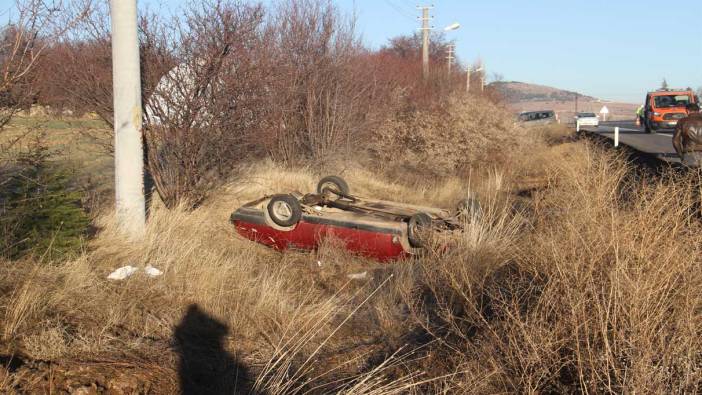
(319, 263)
(129, 270)
(122, 273)
(152, 271)
(358, 276)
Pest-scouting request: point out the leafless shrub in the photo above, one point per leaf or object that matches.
(22, 43)
(75, 76)
(295, 88)
(324, 97)
(222, 83)
(205, 114)
(430, 94)
(599, 296)
(450, 139)
(76, 72)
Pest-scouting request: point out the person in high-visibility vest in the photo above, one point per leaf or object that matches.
(640, 115)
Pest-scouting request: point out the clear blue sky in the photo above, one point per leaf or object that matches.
(615, 49)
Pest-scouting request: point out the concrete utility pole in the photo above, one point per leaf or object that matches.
(449, 58)
(425, 40)
(129, 152)
(481, 70)
(451, 47)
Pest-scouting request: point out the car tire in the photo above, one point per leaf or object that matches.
(334, 183)
(284, 210)
(416, 227)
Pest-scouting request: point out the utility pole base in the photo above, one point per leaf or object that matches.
(129, 151)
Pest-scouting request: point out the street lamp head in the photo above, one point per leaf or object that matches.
(452, 26)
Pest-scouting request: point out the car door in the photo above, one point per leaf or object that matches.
(647, 108)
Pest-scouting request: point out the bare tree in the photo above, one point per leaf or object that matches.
(410, 47)
(76, 73)
(205, 113)
(326, 97)
(22, 44)
(223, 84)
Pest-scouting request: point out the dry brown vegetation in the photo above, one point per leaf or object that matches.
(227, 82)
(580, 276)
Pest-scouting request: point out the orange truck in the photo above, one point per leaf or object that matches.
(664, 108)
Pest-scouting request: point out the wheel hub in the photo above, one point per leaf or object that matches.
(282, 210)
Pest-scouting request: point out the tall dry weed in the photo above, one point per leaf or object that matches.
(601, 295)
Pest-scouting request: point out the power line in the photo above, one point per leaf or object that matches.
(400, 11)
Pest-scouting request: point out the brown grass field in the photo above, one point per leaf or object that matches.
(582, 275)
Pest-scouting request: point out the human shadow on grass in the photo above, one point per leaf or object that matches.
(205, 367)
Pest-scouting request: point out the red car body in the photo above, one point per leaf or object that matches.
(380, 240)
(377, 229)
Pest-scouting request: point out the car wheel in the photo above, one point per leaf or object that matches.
(333, 187)
(416, 229)
(284, 210)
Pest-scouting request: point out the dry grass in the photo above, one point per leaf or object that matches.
(283, 312)
(578, 277)
(598, 290)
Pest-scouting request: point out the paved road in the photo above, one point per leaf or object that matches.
(658, 145)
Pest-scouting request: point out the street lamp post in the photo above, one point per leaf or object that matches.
(482, 82)
(453, 26)
(451, 47)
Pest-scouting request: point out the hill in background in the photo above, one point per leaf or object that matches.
(521, 96)
(519, 92)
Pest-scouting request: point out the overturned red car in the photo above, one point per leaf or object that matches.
(373, 228)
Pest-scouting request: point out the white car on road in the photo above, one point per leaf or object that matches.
(587, 119)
